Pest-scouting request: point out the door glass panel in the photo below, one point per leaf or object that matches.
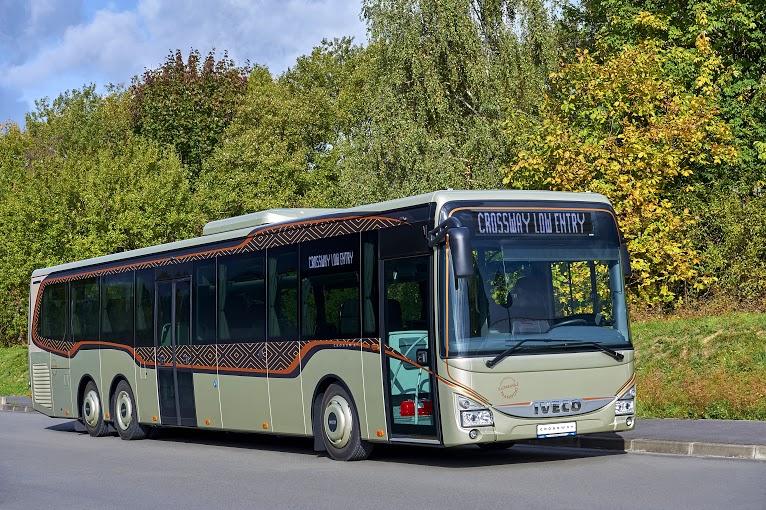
(164, 337)
(183, 313)
(406, 315)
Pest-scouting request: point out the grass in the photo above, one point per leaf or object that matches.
(691, 367)
(702, 367)
(13, 371)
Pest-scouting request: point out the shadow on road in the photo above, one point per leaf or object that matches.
(460, 457)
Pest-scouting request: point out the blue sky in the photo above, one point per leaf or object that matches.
(48, 46)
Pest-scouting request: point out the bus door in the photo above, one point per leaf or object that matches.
(172, 332)
(408, 340)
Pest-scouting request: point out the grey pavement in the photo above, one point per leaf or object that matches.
(45, 463)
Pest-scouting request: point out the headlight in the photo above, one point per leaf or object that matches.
(625, 407)
(626, 404)
(478, 418)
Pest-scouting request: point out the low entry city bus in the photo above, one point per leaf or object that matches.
(450, 318)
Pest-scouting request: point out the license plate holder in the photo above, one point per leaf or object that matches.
(563, 429)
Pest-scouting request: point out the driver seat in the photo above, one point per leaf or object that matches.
(529, 313)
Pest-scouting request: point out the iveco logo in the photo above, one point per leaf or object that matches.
(543, 407)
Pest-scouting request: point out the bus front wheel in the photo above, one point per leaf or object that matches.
(340, 426)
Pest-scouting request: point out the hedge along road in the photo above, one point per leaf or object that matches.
(45, 463)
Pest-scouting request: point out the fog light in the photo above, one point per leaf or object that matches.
(478, 418)
(473, 434)
(629, 421)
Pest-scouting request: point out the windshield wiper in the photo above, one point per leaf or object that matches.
(500, 357)
(606, 350)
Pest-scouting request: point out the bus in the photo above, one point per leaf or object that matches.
(449, 318)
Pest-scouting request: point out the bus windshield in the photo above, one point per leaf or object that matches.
(541, 293)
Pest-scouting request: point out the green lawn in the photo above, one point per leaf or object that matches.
(13, 371)
(709, 367)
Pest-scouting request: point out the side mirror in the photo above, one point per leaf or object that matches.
(460, 246)
(625, 261)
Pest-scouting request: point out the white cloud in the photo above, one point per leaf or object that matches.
(114, 45)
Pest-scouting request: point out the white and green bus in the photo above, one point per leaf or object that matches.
(444, 319)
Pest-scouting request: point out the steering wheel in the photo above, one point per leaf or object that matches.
(570, 322)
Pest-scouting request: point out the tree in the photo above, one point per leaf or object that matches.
(624, 128)
(188, 104)
(79, 184)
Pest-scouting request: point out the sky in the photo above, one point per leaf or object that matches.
(49, 46)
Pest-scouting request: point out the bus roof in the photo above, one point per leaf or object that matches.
(241, 226)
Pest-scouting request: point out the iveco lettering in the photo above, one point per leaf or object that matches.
(450, 318)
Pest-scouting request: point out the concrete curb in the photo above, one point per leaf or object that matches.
(16, 404)
(685, 448)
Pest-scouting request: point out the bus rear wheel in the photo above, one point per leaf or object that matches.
(124, 413)
(92, 412)
(340, 426)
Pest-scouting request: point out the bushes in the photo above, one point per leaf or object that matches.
(732, 242)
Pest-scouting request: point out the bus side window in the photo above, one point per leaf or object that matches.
(330, 288)
(241, 298)
(84, 298)
(144, 308)
(282, 295)
(117, 308)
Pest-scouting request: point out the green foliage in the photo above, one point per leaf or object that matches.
(74, 196)
(188, 104)
(625, 129)
(438, 77)
(732, 241)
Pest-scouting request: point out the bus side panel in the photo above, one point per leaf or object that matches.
(286, 398)
(343, 363)
(374, 401)
(61, 387)
(207, 400)
(244, 403)
(86, 363)
(145, 391)
(114, 363)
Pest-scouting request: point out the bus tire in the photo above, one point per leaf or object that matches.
(340, 426)
(124, 413)
(92, 411)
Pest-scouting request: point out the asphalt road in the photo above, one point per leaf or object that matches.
(45, 463)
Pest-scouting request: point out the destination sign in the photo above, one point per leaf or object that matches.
(534, 223)
(324, 260)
